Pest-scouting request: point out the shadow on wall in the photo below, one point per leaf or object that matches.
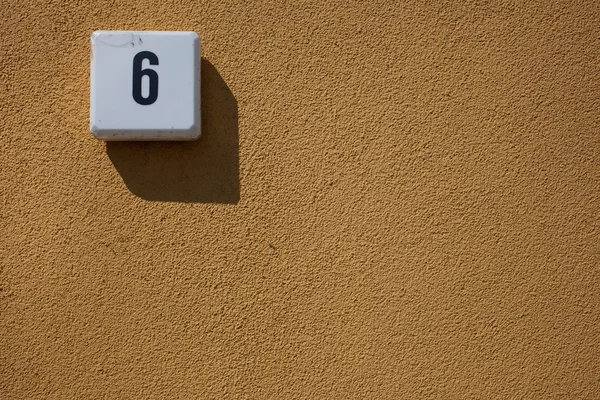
(203, 171)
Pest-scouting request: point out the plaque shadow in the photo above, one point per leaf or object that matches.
(201, 171)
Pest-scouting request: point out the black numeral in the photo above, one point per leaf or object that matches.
(138, 73)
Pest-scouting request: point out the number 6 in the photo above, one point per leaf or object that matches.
(138, 73)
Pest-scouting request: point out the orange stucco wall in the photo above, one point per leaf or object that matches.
(390, 200)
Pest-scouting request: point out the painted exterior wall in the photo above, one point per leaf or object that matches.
(390, 200)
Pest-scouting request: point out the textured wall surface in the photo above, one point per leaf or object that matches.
(390, 200)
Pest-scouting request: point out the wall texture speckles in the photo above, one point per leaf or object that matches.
(389, 201)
